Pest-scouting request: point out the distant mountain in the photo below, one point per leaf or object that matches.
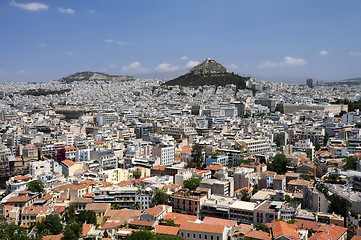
(94, 76)
(350, 81)
(209, 72)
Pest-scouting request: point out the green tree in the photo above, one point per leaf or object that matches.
(309, 153)
(192, 183)
(338, 205)
(245, 195)
(70, 214)
(167, 222)
(69, 234)
(317, 146)
(160, 197)
(35, 186)
(261, 227)
(278, 164)
(72, 231)
(87, 216)
(197, 157)
(136, 206)
(349, 163)
(148, 235)
(137, 173)
(51, 225)
(11, 231)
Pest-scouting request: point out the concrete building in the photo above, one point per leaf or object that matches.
(164, 155)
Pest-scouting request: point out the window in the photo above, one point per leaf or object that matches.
(211, 237)
(205, 236)
(182, 234)
(194, 235)
(200, 236)
(217, 237)
(188, 235)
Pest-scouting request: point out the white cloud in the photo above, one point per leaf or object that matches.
(232, 66)
(34, 6)
(41, 44)
(287, 61)
(184, 58)
(323, 53)
(66, 10)
(69, 53)
(192, 64)
(166, 67)
(24, 72)
(92, 11)
(116, 42)
(134, 67)
(294, 62)
(352, 53)
(122, 43)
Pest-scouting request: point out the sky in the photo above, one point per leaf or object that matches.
(46, 40)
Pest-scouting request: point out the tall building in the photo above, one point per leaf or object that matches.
(309, 83)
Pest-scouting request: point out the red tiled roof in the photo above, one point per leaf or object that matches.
(219, 221)
(19, 178)
(202, 227)
(111, 224)
(53, 237)
(141, 223)
(179, 218)
(166, 230)
(254, 234)
(86, 228)
(69, 163)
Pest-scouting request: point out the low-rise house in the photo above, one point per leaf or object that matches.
(100, 210)
(155, 213)
(31, 215)
(203, 231)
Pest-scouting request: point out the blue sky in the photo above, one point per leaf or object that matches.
(45, 40)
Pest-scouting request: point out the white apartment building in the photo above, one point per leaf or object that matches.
(82, 155)
(254, 145)
(40, 167)
(164, 155)
(104, 118)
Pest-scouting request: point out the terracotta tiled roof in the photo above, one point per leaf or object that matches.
(219, 221)
(332, 232)
(53, 237)
(356, 237)
(166, 230)
(34, 210)
(111, 224)
(179, 218)
(141, 223)
(254, 234)
(59, 209)
(158, 168)
(62, 187)
(83, 200)
(202, 227)
(154, 211)
(78, 187)
(88, 182)
(214, 167)
(98, 206)
(69, 163)
(86, 228)
(20, 178)
(21, 199)
(281, 228)
(122, 215)
(125, 183)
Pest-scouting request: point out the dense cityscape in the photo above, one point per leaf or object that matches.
(100, 158)
(171, 120)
